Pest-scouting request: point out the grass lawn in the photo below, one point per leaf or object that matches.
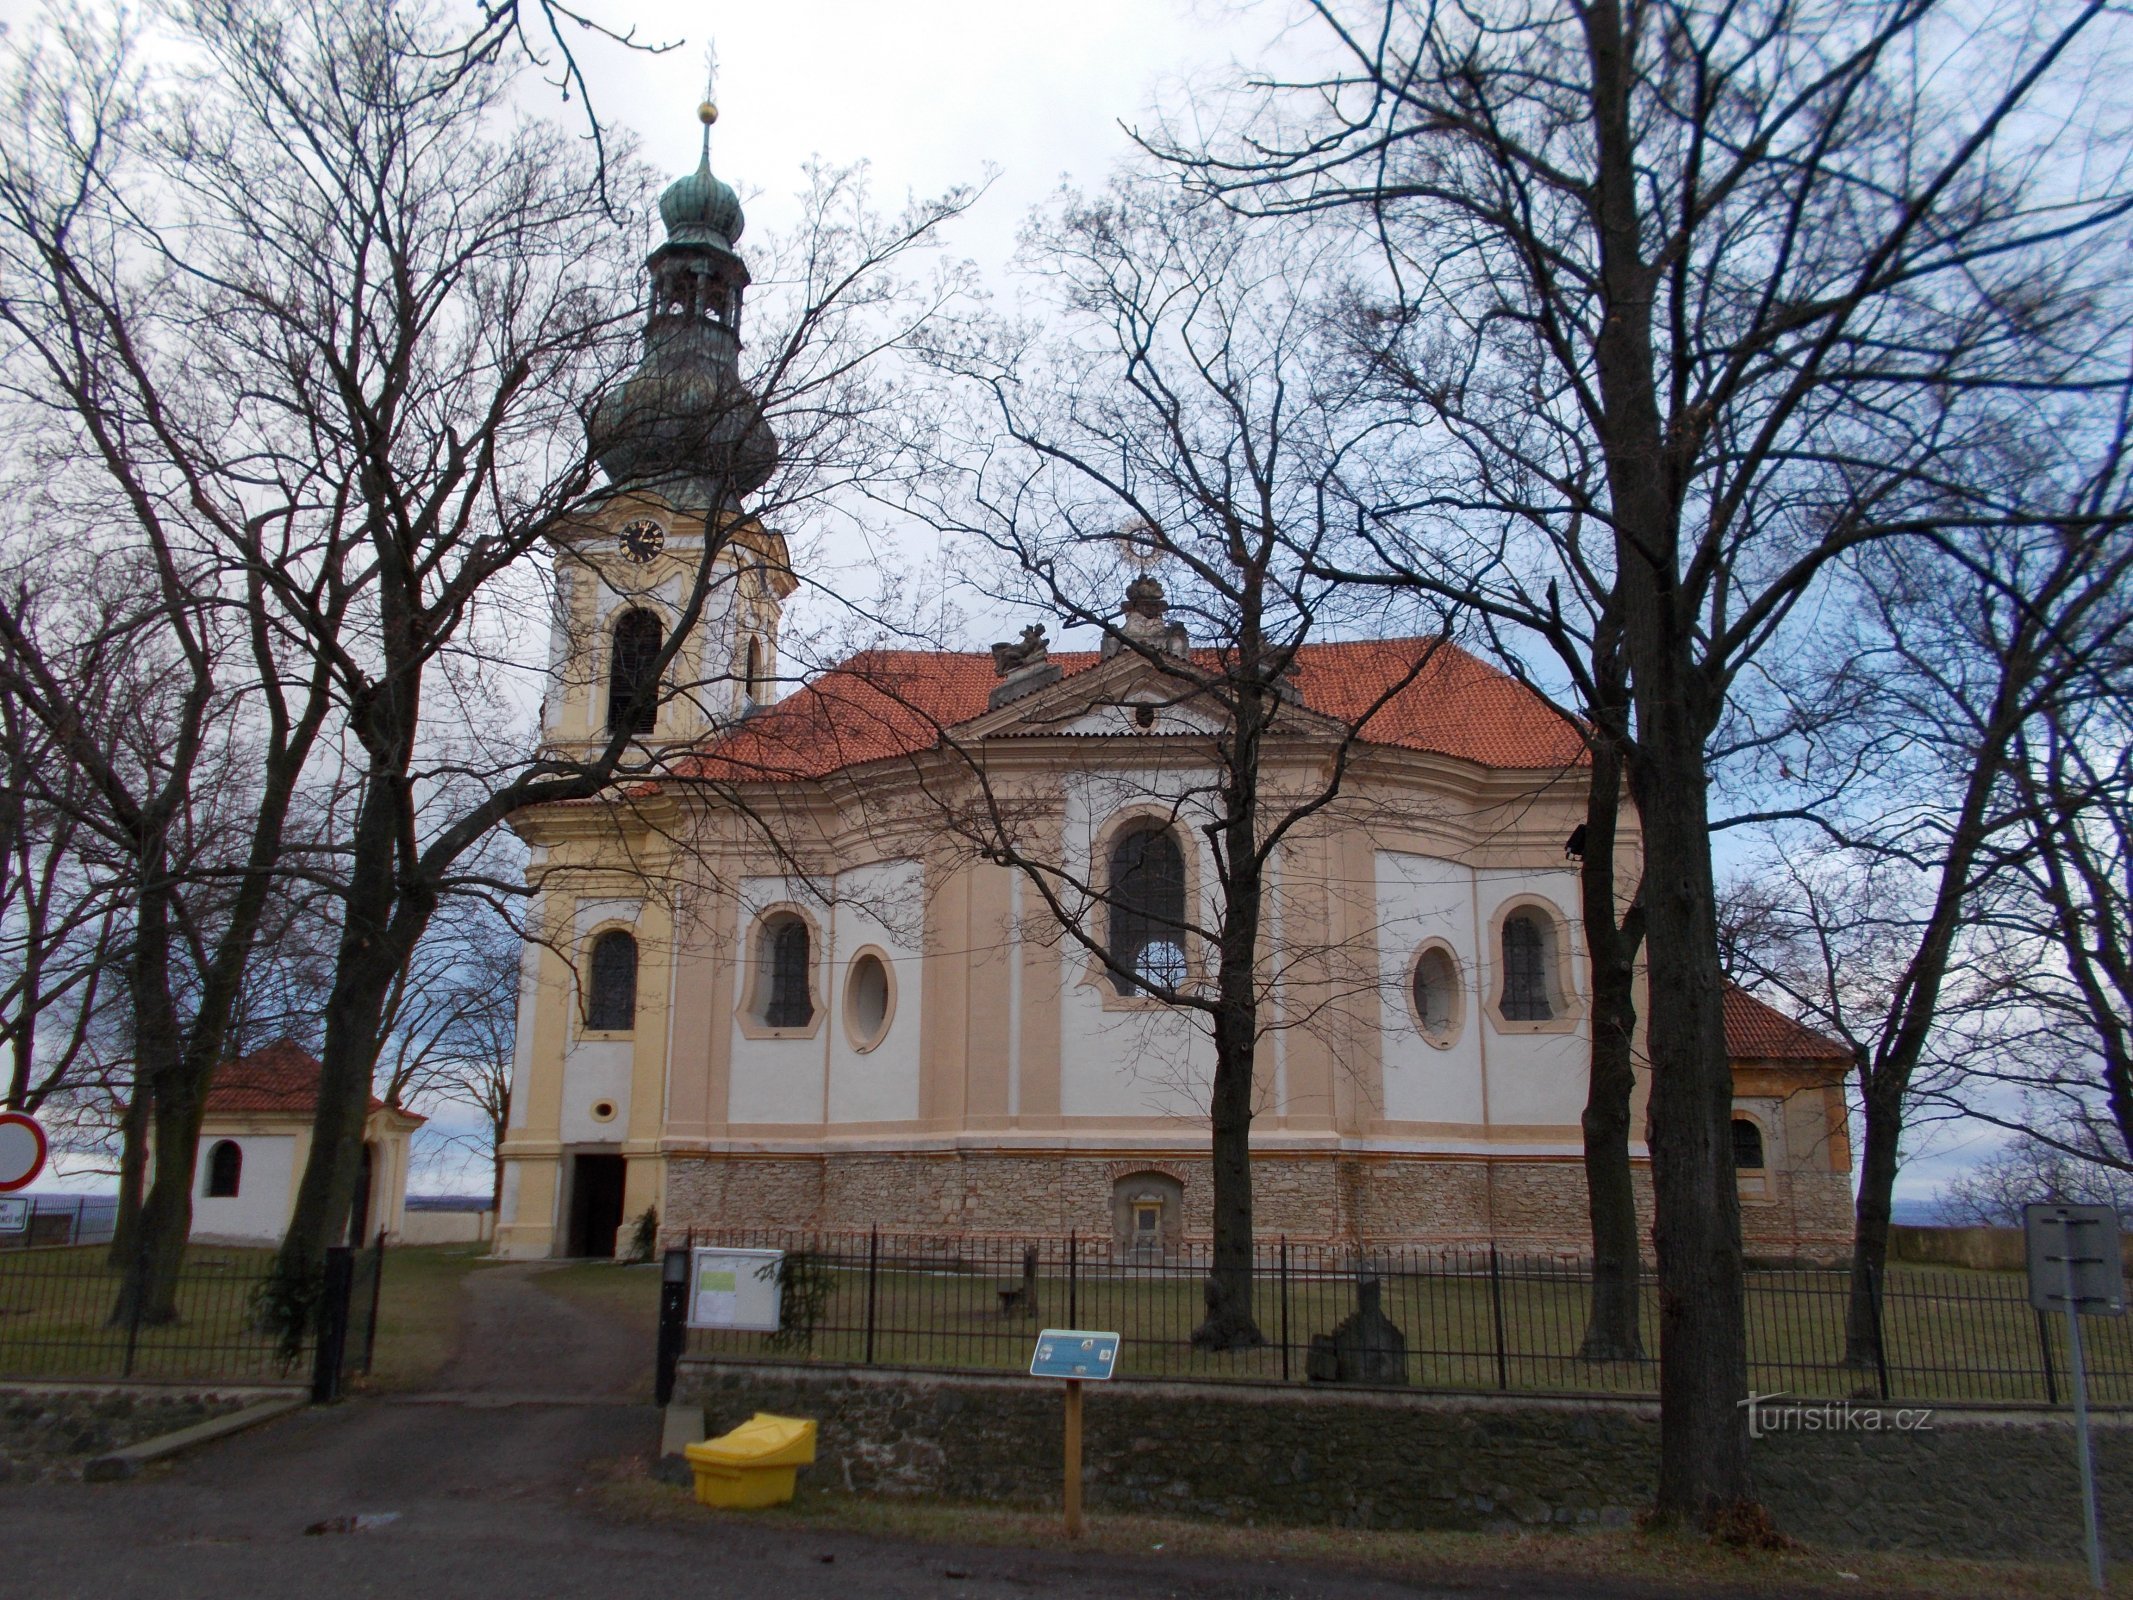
(55, 1306)
(1952, 1335)
(1482, 1561)
(418, 1314)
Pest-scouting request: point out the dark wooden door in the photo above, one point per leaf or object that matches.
(595, 1205)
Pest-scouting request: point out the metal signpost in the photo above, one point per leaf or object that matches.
(2074, 1266)
(1079, 1356)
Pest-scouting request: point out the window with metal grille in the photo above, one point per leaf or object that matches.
(611, 1001)
(1526, 955)
(225, 1168)
(789, 1004)
(632, 684)
(1147, 906)
(1747, 1146)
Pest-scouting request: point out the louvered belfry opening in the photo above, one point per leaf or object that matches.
(633, 685)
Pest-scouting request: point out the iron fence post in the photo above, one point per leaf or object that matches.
(1073, 1279)
(2044, 1344)
(1503, 1369)
(335, 1294)
(377, 1293)
(1284, 1308)
(873, 1268)
(673, 1322)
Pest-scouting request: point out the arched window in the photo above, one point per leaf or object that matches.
(611, 993)
(1528, 954)
(1747, 1146)
(787, 1002)
(225, 1168)
(1147, 905)
(632, 684)
(1436, 994)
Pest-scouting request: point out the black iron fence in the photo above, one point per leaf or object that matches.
(1468, 1318)
(60, 1320)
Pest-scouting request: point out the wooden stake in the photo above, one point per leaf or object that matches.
(1075, 1527)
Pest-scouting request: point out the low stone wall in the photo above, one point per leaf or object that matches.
(49, 1433)
(1983, 1249)
(1971, 1482)
(446, 1227)
(1524, 1204)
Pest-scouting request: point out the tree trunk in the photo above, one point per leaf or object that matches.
(1613, 1330)
(149, 1290)
(1229, 1323)
(1703, 1376)
(133, 1162)
(1878, 1160)
(373, 947)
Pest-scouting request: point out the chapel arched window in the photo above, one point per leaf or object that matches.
(1747, 1146)
(633, 679)
(1147, 910)
(611, 999)
(225, 1169)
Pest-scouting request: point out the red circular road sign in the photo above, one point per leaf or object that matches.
(22, 1151)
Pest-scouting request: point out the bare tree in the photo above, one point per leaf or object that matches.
(1720, 283)
(1180, 415)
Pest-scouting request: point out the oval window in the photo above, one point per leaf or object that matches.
(1436, 995)
(866, 1000)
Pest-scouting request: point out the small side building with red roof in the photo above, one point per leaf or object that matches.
(256, 1137)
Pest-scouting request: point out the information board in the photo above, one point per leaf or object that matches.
(735, 1289)
(14, 1213)
(1074, 1353)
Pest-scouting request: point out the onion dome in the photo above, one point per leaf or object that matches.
(683, 423)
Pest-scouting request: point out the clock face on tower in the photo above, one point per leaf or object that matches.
(642, 540)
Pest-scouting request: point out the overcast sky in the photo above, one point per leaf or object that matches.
(929, 91)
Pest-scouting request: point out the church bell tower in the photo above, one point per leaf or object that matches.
(684, 445)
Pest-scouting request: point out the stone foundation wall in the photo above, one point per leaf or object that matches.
(1524, 1203)
(1971, 1483)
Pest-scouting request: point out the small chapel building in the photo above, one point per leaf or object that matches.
(774, 985)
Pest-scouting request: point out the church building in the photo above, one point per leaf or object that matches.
(778, 983)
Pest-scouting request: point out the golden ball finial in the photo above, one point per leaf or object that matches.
(707, 113)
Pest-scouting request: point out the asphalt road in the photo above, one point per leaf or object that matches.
(489, 1489)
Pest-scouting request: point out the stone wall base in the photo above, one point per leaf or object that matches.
(1971, 1483)
(1526, 1203)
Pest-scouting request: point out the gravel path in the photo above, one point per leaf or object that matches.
(517, 1340)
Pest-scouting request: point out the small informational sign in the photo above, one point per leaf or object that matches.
(735, 1289)
(22, 1150)
(14, 1213)
(1074, 1353)
(2073, 1252)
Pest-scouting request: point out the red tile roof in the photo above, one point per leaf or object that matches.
(283, 1077)
(1759, 1032)
(888, 703)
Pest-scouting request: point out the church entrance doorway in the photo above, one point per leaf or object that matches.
(595, 1205)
